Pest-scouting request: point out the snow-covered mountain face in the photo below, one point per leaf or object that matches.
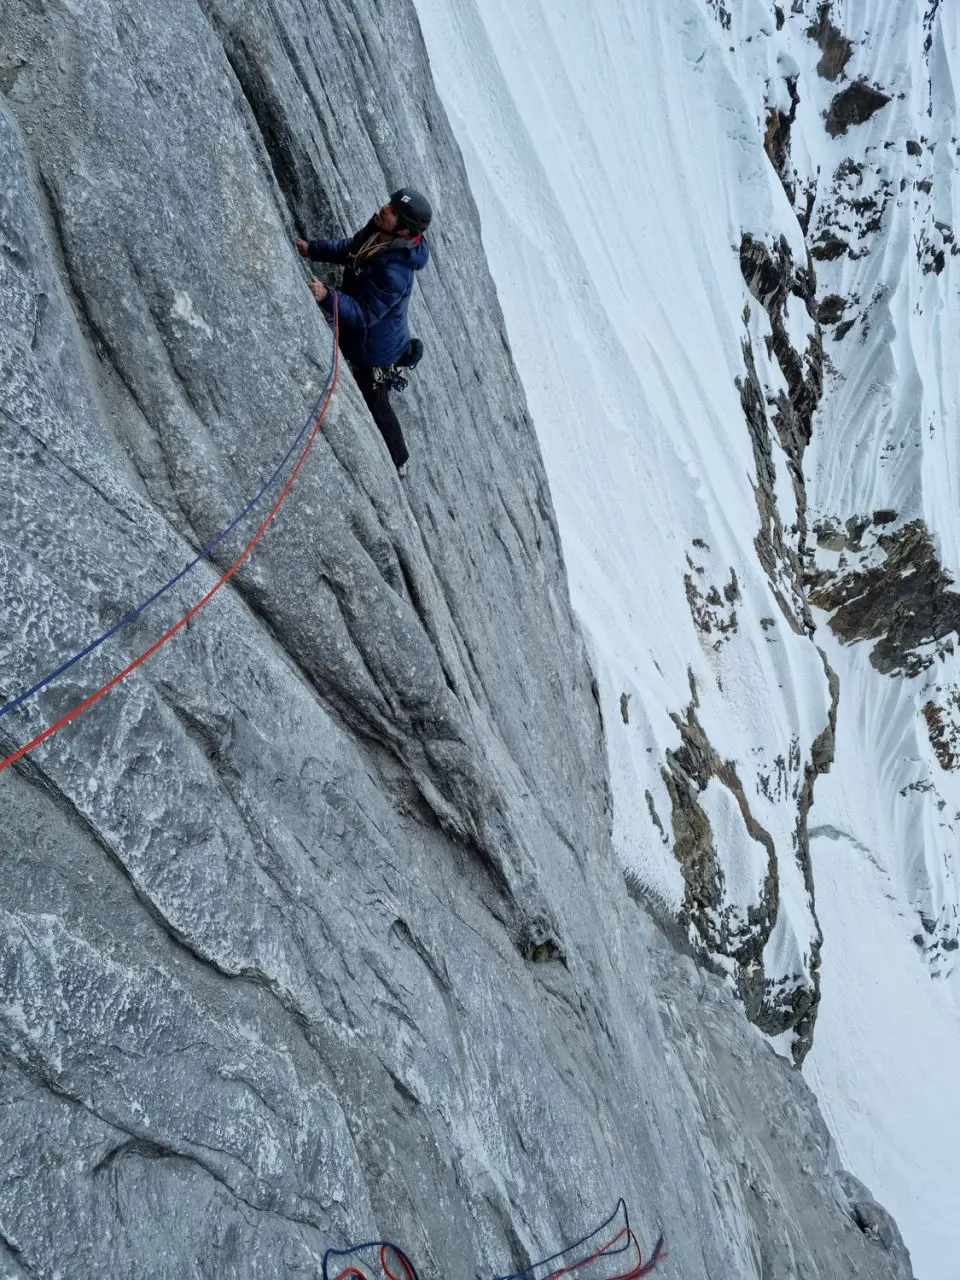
(723, 236)
(871, 160)
(866, 146)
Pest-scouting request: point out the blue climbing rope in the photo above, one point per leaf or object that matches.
(562, 1253)
(188, 568)
(582, 1253)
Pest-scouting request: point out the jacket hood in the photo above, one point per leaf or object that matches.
(420, 253)
(416, 251)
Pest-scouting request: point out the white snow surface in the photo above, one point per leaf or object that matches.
(615, 151)
(886, 1050)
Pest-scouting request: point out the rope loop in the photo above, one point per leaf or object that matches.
(355, 1273)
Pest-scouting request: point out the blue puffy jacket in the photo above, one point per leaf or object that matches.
(374, 295)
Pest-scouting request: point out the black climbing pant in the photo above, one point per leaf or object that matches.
(377, 396)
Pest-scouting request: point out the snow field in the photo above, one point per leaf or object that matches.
(883, 1064)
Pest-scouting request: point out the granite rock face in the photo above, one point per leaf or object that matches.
(311, 930)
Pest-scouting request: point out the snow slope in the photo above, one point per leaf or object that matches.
(616, 154)
(622, 302)
(887, 1044)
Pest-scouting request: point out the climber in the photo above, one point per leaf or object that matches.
(380, 262)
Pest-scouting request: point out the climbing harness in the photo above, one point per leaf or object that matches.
(314, 419)
(390, 376)
(609, 1252)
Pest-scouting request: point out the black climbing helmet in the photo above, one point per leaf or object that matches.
(412, 209)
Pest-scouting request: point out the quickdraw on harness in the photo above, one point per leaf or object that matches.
(392, 376)
(609, 1252)
(310, 430)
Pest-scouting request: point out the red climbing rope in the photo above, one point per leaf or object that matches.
(541, 1270)
(624, 1233)
(221, 582)
(355, 1273)
(407, 1265)
(640, 1268)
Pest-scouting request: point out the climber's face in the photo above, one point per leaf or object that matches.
(386, 219)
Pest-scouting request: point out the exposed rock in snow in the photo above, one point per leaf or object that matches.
(890, 588)
(734, 924)
(834, 45)
(854, 105)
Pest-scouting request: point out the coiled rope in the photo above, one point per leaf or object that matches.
(354, 1273)
(312, 426)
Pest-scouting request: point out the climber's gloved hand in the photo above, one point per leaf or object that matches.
(318, 290)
